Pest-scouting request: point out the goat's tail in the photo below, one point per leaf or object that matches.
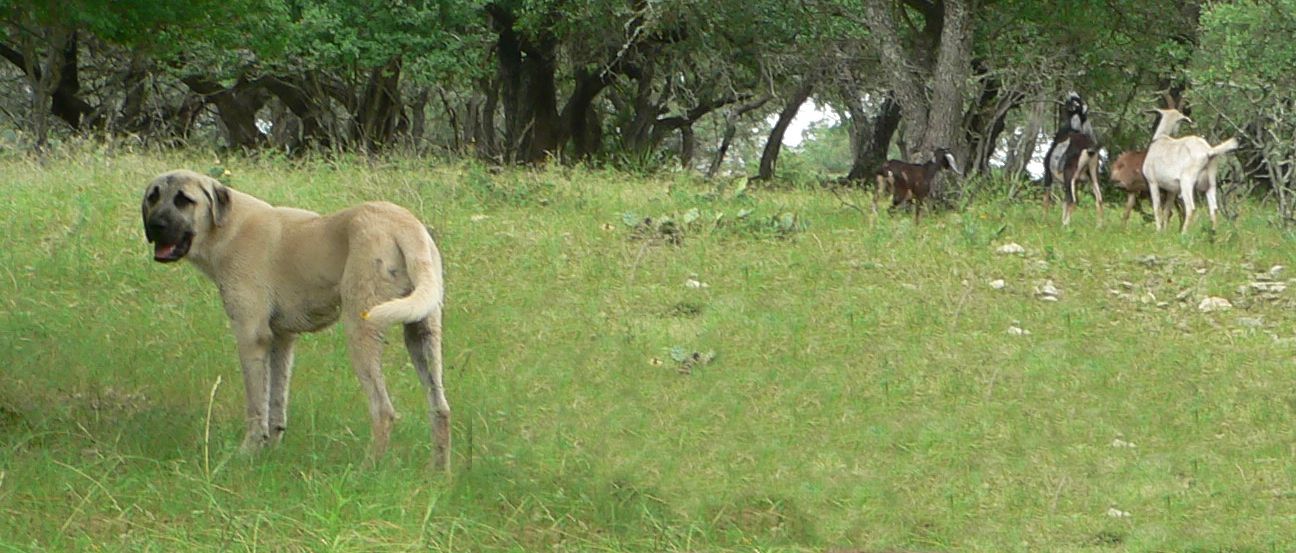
(1212, 166)
(1224, 148)
(423, 263)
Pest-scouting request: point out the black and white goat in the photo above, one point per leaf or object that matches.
(1182, 165)
(1073, 152)
(912, 181)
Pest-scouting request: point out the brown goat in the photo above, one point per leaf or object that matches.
(912, 181)
(1127, 173)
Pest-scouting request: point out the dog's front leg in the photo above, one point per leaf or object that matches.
(254, 341)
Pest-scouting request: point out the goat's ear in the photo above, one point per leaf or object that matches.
(218, 201)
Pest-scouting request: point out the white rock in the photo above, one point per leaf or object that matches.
(1011, 248)
(1117, 513)
(1018, 331)
(695, 284)
(478, 218)
(1276, 271)
(1272, 287)
(1214, 304)
(998, 284)
(1047, 291)
(1122, 443)
(1251, 322)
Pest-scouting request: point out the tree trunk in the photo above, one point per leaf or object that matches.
(948, 81)
(542, 136)
(872, 138)
(527, 66)
(418, 119)
(731, 128)
(687, 146)
(374, 124)
(1021, 150)
(131, 116)
(66, 98)
(637, 136)
(984, 121)
(929, 88)
(578, 116)
(295, 94)
(236, 107)
(53, 76)
(484, 133)
(774, 144)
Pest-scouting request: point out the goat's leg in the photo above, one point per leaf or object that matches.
(1154, 190)
(1131, 201)
(1212, 201)
(899, 194)
(1048, 199)
(1069, 201)
(1097, 190)
(1186, 193)
(917, 205)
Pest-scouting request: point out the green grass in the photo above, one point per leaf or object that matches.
(865, 393)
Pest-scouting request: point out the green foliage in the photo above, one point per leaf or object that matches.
(1234, 52)
(825, 148)
(431, 36)
(513, 189)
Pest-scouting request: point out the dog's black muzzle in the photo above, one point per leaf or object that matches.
(170, 241)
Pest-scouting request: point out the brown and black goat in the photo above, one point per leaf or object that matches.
(1073, 151)
(912, 181)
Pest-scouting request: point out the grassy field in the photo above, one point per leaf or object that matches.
(866, 392)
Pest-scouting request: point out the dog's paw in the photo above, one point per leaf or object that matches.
(253, 443)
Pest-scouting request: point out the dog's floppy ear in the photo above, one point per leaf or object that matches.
(218, 201)
(150, 196)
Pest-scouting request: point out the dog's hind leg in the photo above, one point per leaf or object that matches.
(423, 340)
(364, 345)
(281, 365)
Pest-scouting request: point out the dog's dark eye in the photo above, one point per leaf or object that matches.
(182, 201)
(153, 196)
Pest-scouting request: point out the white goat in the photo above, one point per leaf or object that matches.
(1180, 165)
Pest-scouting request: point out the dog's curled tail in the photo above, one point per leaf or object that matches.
(423, 263)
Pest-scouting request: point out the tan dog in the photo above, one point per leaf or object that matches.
(284, 271)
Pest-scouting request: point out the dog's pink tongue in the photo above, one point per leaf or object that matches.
(163, 251)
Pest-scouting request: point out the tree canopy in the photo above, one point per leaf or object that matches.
(649, 83)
